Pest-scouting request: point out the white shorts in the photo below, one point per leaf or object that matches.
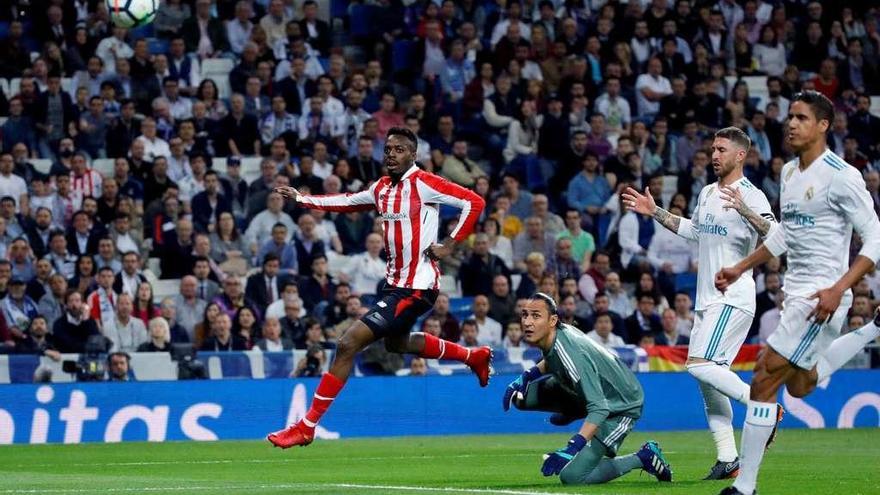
(719, 332)
(798, 339)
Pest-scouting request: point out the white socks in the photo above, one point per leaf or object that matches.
(720, 417)
(720, 377)
(760, 420)
(843, 348)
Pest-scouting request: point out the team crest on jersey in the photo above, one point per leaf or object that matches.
(809, 194)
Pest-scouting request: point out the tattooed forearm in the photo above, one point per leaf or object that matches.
(667, 219)
(760, 224)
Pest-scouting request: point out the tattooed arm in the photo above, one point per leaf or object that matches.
(761, 222)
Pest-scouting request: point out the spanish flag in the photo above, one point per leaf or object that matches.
(673, 358)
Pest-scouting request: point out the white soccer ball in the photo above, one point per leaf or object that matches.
(132, 13)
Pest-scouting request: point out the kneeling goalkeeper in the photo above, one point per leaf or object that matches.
(580, 379)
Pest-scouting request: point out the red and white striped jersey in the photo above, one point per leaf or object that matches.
(410, 210)
(87, 185)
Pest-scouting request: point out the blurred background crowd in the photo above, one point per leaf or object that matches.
(137, 166)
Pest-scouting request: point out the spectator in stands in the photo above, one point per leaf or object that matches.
(501, 300)
(222, 339)
(207, 281)
(312, 365)
(470, 334)
(589, 191)
(583, 244)
(460, 169)
(160, 340)
(18, 128)
(82, 239)
(73, 328)
(272, 340)
(265, 287)
(644, 320)
(533, 239)
(670, 334)
(553, 224)
(864, 126)
(246, 327)
(602, 333)
(21, 259)
(490, 330)
(563, 265)
(203, 34)
(38, 340)
(499, 245)
(536, 264)
(477, 273)
(418, 367)
(352, 312)
(226, 241)
(168, 311)
(233, 297)
(38, 286)
(307, 243)
(83, 280)
(208, 204)
(367, 269)
(635, 234)
(125, 332)
(51, 305)
(144, 308)
(54, 112)
(118, 367)
(62, 260)
(260, 228)
(190, 308)
(18, 309)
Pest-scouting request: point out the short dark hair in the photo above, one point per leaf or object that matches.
(819, 103)
(270, 257)
(406, 134)
(736, 136)
(552, 308)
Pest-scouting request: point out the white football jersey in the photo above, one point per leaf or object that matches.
(820, 206)
(725, 238)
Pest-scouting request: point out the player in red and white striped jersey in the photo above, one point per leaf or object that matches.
(408, 199)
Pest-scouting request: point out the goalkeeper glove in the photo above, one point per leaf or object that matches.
(518, 386)
(554, 462)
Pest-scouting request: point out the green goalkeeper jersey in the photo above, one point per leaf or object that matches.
(594, 374)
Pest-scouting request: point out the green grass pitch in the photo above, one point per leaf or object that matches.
(845, 462)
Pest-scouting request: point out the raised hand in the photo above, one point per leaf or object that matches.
(733, 199)
(638, 202)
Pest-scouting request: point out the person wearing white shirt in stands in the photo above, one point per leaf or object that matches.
(601, 332)
(323, 167)
(153, 145)
(126, 332)
(260, 228)
(113, 47)
(651, 87)
(238, 30)
(10, 184)
(367, 269)
(489, 329)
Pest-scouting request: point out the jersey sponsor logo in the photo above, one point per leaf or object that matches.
(709, 227)
(791, 214)
(395, 216)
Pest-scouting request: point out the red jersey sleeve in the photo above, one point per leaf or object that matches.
(442, 191)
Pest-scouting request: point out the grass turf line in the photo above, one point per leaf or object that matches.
(802, 461)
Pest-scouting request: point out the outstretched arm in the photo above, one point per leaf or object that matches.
(359, 201)
(645, 204)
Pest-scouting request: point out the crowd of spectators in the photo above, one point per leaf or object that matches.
(546, 108)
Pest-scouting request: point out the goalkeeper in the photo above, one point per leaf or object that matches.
(579, 379)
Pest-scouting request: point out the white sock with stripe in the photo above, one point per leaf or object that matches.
(843, 348)
(720, 377)
(760, 420)
(720, 417)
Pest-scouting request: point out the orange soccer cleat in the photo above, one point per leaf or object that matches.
(479, 360)
(298, 434)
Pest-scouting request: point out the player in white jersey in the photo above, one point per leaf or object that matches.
(729, 217)
(823, 199)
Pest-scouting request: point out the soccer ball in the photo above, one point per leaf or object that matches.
(132, 13)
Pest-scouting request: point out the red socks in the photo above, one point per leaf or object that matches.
(442, 349)
(324, 396)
